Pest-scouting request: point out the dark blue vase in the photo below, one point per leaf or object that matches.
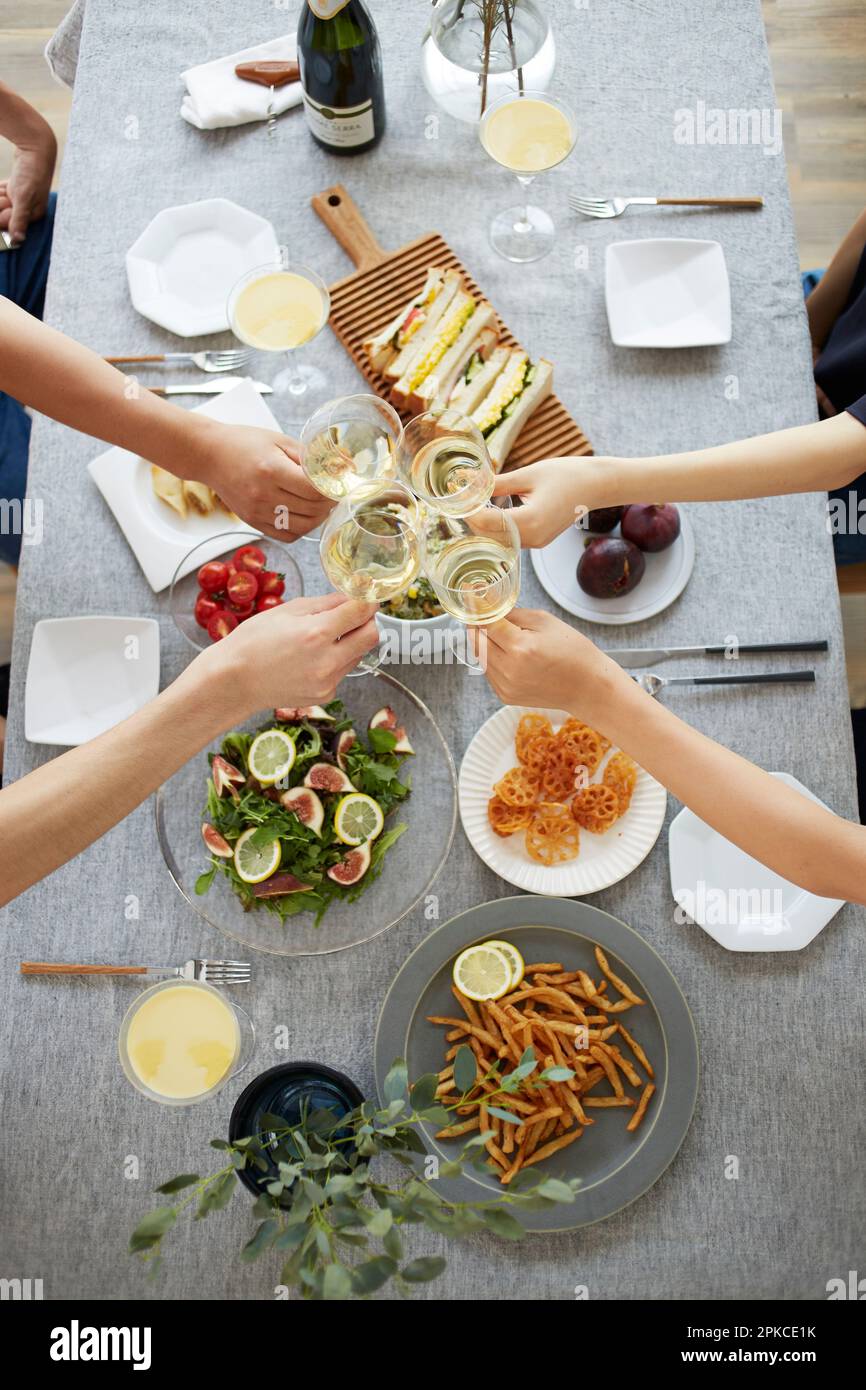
(287, 1091)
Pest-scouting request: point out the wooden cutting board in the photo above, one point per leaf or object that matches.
(363, 303)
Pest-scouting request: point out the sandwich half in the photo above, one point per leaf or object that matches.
(384, 347)
(422, 333)
(477, 339)
(520, 387)
(432, 344)
(476, 380)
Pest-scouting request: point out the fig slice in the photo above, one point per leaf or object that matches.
(325, 777)
(215, 842)
(278, 885)
(306, 806)
(352, 866)
(347, 739)
(385, 718)
(291, 714)
(226, 776)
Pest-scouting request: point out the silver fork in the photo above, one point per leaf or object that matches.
(652, 683)
(213, 360)
(615, 207)
(226, 972)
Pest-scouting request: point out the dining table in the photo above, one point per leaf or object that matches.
(766, 1197)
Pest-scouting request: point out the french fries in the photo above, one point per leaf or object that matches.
(569, 1020)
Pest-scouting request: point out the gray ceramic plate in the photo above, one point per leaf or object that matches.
(615, 1167)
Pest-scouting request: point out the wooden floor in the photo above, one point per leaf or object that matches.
(818, 52)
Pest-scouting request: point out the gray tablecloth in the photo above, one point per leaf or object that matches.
(781, 1035)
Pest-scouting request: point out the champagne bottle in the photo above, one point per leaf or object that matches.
(341, 75)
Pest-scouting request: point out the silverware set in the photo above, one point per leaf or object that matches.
(214, 360)
(211, 972)
(629, 657)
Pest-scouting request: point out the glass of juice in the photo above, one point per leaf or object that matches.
(528, 133)
(182, 1040)
(279, 308)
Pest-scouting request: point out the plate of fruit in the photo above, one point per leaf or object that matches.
(305, 831)
(226, 579)
(619, 564)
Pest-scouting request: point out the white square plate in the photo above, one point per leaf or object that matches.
(667, 292)
(87, 674)
(159, 537)
(740, 903)
(187, 260)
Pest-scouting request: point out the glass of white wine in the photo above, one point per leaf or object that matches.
(349, 441)
(443, 458)
(279, 308)
(474, 566)
(371, 545)
(528, 133)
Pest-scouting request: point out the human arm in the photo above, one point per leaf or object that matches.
(296, 654)
(806, 458)
(830, 295)
(254, 471)
(24, 194)
(532, 658)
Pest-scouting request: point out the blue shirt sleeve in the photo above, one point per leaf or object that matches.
(858, 410)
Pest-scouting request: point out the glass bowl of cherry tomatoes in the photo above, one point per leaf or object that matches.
(226, 580)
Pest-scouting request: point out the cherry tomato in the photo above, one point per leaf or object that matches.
(269, 601)
(212, 577)
(271, 583)
(250, 558)
(221, 624)
(242, 588)
(241, 613)
(205, 608)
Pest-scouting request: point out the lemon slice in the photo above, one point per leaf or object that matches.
(272, 756)
(514, 958)
(482, 972)
(255, 864)
(358, 818)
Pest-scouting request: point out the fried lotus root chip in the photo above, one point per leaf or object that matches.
(553, 837)
(531, 726)
(562, 777)
(519, 787)
(578, 727)
(583, 744)
(536, 753)
(596, 808)
(621, 775)
(505, 819)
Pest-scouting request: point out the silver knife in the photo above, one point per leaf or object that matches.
(210, 388)
(646, 656)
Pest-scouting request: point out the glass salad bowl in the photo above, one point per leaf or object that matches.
(383, 895)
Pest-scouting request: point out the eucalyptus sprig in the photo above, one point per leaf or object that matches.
(338, 1229)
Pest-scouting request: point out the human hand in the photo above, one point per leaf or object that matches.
(296, 654)
(256, 473)
(532, 658)
(555, 493)
(24, 195)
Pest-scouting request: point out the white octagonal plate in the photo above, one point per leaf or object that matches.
(188, 259)
(739, 902)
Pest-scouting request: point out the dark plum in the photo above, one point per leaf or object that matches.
(603, 519)
(609, 567)
(652, 526)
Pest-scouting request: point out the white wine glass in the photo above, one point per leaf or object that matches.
(278, 308)
(474, 563)
(527, 132)
(443, 458)
(349, 441)
(371, 545)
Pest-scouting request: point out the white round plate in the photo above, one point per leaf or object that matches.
(189, 258)
(603, 859)
(666, 575)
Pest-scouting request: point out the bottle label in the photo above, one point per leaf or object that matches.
(340, 125)
(326, 9)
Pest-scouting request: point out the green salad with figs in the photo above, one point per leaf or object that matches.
(296, 812)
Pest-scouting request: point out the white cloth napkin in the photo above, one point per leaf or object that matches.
(216, 97)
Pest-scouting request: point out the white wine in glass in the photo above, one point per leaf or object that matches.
(445, 461)
(278, 308)
(349, 441)
(475, 571)
(528, 133)
(370, 546)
